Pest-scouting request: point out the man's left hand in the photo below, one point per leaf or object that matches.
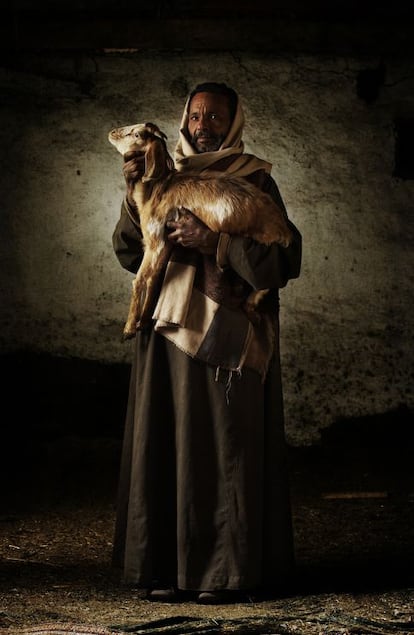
(188, 231)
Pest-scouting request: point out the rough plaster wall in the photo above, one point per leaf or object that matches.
(347, 323)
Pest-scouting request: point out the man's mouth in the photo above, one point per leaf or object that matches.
(206, 142)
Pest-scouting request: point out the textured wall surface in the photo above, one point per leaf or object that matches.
(347, 322)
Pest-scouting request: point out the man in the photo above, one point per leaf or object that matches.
(203, 500)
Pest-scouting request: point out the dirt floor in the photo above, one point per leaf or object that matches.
(354, 531)
(353, 510)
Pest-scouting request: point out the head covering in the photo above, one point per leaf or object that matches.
(217, 89)
(187, 158)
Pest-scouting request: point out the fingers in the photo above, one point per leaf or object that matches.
(183, 230)
(180, 234)
(187, 222)
(191, 233)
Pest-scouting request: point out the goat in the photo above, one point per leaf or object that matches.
(224, 203)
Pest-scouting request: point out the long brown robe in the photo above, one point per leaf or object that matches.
(204, 491)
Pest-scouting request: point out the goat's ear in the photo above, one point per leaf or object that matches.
(153, 129)
(156, 161)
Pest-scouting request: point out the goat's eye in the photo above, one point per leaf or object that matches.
(137, 134)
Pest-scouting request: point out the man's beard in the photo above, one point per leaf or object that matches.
(210, 143)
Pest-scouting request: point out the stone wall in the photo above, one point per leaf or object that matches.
(327, 124)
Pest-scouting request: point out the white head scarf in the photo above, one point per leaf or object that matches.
(187, 158)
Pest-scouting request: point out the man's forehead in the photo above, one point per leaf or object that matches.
(209, 101)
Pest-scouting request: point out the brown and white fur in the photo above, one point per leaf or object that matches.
(224, 203)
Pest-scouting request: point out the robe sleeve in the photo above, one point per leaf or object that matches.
(263, 267)
(127, 239)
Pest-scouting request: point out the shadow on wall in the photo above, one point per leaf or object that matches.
(75, 408)
(64, 419)
(62, 428)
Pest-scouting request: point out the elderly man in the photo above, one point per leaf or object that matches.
(203, 501)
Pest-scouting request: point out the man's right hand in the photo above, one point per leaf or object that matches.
(133, 168)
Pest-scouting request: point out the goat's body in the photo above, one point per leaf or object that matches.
(224, 203)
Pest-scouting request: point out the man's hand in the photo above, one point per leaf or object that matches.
(189, 231)
(134, 168)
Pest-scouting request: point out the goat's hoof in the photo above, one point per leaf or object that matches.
(128, 335)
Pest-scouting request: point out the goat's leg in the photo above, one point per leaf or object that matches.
(251, 304)
(139, 294)
(144, 287)
(158, 262)
(138, 291)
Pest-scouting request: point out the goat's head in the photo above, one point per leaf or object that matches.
(145, 138)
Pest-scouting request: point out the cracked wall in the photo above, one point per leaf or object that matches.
(328, 129)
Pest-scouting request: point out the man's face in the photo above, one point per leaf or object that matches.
(209, 121)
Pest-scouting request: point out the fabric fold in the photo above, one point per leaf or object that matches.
(212, 333)
(175, 296)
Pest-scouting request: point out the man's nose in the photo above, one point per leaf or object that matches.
(202, 123)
